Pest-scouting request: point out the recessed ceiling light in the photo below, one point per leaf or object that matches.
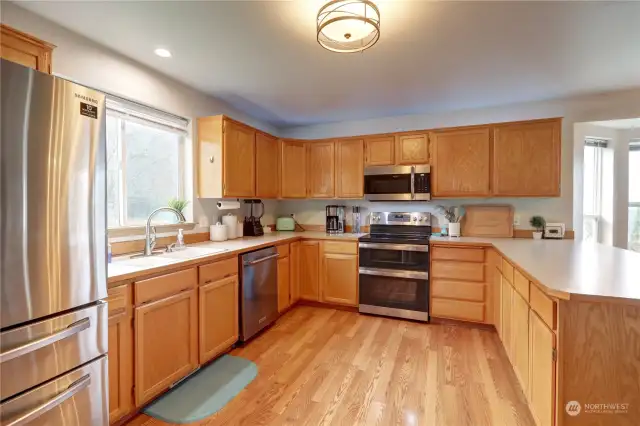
(163, 53)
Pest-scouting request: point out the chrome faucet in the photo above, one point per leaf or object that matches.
(150, 241)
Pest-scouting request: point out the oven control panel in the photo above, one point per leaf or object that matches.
(400, 218)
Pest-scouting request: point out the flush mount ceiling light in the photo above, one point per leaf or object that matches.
(347, 26)
(163, 53)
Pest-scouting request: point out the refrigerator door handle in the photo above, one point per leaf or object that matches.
(73, 389)
(34, 345)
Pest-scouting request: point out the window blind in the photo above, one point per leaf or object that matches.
(595, 142)
(146, 115)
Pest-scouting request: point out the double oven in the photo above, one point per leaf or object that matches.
(394, 266)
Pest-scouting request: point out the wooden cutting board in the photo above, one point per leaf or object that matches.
(488, 221)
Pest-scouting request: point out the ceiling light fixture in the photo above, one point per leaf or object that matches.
(347, 26)
(163, 53)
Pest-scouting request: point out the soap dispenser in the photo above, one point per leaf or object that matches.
(180, 245)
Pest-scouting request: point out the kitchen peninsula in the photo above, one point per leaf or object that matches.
(567, 312)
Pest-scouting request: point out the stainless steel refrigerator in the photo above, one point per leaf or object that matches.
(53, 338)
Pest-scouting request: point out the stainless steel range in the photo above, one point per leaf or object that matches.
(394, 266)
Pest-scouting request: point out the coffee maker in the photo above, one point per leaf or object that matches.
(252, 226)
(335, 219)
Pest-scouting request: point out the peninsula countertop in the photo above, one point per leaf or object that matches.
(567, 268)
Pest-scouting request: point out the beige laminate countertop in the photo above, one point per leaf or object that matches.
(570, 269)
(124, 268)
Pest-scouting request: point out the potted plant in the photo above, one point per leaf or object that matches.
(178, 204)
(537, 222)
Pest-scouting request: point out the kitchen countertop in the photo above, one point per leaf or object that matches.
(569, 269)
(124, 268)
(566, 269)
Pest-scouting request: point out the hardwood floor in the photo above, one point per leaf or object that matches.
(319, 366)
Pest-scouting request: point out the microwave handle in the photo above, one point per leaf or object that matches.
(413, 182)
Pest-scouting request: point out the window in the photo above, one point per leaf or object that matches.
(145, 162)
(592, 192)
(634, 195)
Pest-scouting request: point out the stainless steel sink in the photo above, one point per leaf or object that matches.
(192, 253)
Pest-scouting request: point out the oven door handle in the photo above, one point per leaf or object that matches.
(419, 275)
(395, 247)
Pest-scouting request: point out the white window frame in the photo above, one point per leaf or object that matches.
(634, 145)
(597, 215)
(125, 110)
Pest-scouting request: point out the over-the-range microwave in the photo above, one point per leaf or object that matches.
(397, 183)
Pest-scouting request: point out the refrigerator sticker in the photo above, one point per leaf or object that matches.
(88, 110)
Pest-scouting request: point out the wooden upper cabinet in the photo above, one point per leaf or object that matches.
(460, 163)
(25, 49)
(412, 148)
(321, 169)
(267, 166)
(526, 159)
(350, 168)
(293, 169)
(239, 153)
(380, 151)
(542, 371)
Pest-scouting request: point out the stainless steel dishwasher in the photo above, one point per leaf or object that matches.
(258, 291)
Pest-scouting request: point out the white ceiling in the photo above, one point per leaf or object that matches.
(262, 56)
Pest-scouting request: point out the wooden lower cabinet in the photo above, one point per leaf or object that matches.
(520, 339)
(542, 371)
(284, 289)
(294, 271)
(218, 317)
(120, 365)
(310, 270)
(166, 343)
(506, 293)
(340, 279)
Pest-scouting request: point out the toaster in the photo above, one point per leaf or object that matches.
(285, 224)
(554, 231)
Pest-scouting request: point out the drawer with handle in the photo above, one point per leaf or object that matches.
(55, 345)
(217, 270)
(77, 398)
(165, 285)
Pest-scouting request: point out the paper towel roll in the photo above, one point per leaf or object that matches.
(228, 205)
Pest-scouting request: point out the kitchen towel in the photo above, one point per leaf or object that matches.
(205, 393)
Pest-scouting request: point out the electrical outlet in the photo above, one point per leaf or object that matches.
(516, 220)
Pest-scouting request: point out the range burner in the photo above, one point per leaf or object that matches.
(399, 228)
